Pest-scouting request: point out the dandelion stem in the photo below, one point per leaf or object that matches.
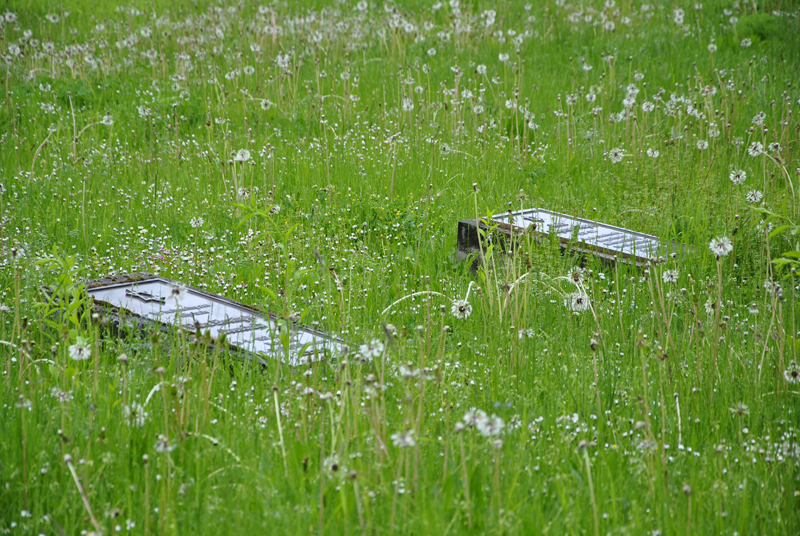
(597, 390)
(496, 482)
(68, 460)
(74, 128)
(321, 472)
(86, 127)
(591, 491)
(358, 507)
(394, 166)
(24, 459)
(466, 479)
(146, 497)
(36, 156)
(689, 517)
(469, 289)
(766, 342)
(678, 409)
(788, 180)
(715, 342)
(280, 429)
(421, 293)
(619, 301)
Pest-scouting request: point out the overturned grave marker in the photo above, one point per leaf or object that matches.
(154, 300)
(579, 235)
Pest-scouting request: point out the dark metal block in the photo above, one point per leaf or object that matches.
(470, 243)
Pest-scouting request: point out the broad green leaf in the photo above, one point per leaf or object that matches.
(269, 293)
(778, 230)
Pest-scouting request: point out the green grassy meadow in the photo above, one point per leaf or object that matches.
(312, 159)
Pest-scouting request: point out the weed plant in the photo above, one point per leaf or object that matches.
(312, 159)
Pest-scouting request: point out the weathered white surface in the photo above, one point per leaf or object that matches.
(597, 236)
(156, 300)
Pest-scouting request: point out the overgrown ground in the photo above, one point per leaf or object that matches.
(358, 134)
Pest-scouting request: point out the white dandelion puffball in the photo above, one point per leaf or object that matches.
(738, 176)
(577, 301)
(721, 246)
(80, 351)
(461, 309)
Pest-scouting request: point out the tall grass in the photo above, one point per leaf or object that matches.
(141, 136)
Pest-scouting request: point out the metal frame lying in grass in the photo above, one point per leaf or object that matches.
(158, 301)
(579, 235)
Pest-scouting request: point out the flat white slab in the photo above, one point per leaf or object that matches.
(245, 328)
(594, 235)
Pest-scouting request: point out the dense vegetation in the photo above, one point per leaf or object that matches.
(313, 160)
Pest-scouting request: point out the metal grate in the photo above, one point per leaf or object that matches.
(582, 236)
(154, 300)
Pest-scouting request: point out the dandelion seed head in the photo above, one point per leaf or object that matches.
(756, 149)
(740, 409)
(792, 373)
(754, 197)
(473, 417)
(373, 350)
(738, 176)
(461, 309)
(721, 246)
(134, 414)
(242, 155)
(404, 439)
(615, 155)
(577, 302)
(490, 426)
(80, 351)
(333, 467)
(163, 445)
(177, 292)
(62, 397)
(670, 276)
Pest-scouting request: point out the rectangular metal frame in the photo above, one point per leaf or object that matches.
(581, 235)
(152, 299)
